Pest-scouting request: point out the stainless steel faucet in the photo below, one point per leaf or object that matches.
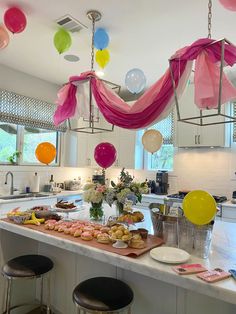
(11, 188)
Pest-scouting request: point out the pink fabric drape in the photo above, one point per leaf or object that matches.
(156, 102)
(206, 81)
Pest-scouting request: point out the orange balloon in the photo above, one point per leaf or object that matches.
(45, 152)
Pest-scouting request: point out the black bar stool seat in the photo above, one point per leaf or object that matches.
(103, 294)
(26, 267)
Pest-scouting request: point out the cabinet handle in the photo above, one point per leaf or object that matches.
(198, 139)
(117, 163)
(89, 161)
(195, 139)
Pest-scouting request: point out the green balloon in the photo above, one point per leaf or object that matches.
(62, 40)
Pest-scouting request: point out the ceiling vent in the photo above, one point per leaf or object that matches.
(70, 23)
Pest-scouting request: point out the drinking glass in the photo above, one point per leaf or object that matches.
(202, 240)
(170, 233)
(185, 236)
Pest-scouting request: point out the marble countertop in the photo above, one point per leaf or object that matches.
(223, 255)
(47, 195)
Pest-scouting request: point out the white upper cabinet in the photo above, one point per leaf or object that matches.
(189, 135)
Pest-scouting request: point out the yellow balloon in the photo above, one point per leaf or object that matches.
(152, 140)
(102, 57)
(199, 207)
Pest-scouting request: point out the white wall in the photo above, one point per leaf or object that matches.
(200, 168)
(27, 85)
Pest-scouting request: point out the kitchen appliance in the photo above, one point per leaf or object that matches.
(162, 182)
(180, 196)
(98, 178)
(72, 185)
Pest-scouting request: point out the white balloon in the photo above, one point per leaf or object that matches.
(152, 140)
(135, 81)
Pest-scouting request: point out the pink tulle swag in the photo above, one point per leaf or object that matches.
(156, 103)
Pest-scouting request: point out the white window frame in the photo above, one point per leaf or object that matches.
(19, 147)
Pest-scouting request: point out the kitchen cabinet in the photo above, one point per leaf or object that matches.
(124, 142)
(199, 136)
(79, 149)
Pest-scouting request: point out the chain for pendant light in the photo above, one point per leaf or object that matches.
(92, 44)
(209, 18)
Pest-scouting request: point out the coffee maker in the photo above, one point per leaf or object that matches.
(162, 182)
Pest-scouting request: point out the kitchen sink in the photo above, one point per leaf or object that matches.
(15, 197)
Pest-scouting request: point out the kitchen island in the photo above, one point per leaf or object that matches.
(157, 288)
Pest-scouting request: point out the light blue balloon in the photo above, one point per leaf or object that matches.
(101, 39)
(135, 81)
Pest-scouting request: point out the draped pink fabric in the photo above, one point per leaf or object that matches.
(206, 81)
(158, 100)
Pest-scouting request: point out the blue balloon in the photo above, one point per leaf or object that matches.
(101, 39)
(135, 81)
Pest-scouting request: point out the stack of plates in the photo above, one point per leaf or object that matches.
(169, 255)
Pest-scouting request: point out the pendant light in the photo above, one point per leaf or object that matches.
(207, 116)
(92, 123)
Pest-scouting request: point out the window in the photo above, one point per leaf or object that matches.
(24, 123)
(25, 140)
(162, 159)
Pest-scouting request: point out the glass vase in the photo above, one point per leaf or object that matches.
(96, 211)
(119, 208)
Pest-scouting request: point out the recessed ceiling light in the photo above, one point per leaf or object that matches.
(71, 58)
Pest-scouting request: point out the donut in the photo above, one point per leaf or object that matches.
(78, 233)
(87, 236)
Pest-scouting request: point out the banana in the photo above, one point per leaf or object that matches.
(34, 220)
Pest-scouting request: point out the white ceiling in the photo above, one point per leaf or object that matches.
(143, 34)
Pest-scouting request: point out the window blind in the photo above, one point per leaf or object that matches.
(166, 128)
(27, 111)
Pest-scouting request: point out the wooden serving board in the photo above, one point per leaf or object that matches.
(151, 241)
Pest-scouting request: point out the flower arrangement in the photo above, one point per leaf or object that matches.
(125, 189)
(95, 194)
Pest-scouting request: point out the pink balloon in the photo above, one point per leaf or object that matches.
(229, 4)
(105, 154)
(4, 37)
(15, 20)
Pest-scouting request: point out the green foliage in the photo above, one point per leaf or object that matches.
(12, 158)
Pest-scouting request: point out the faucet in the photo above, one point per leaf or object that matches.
(11, 174)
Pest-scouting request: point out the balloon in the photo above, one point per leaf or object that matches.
(199, 207)
(105, 154)
(152, 140)
(45, 152)
(135, 81)
(229, 4)
(101, 39)
(4, 37)
(102, 57)
(62, 40)
(15, 20)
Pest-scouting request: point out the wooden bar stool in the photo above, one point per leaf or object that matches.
(26, 267)
(103, 295)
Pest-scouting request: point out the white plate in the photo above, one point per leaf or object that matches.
(65, 210)
(170, 255)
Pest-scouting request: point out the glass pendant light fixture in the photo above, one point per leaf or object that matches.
(91, 122)
(208, 116)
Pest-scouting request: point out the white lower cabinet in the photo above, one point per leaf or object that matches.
(189, 135)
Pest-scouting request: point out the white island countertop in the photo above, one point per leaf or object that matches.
(223, 255)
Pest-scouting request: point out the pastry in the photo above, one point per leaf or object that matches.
(87, 236)
(105, 229)
(103, 238)
(96, 233)
(78, 233)
(137, 244)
